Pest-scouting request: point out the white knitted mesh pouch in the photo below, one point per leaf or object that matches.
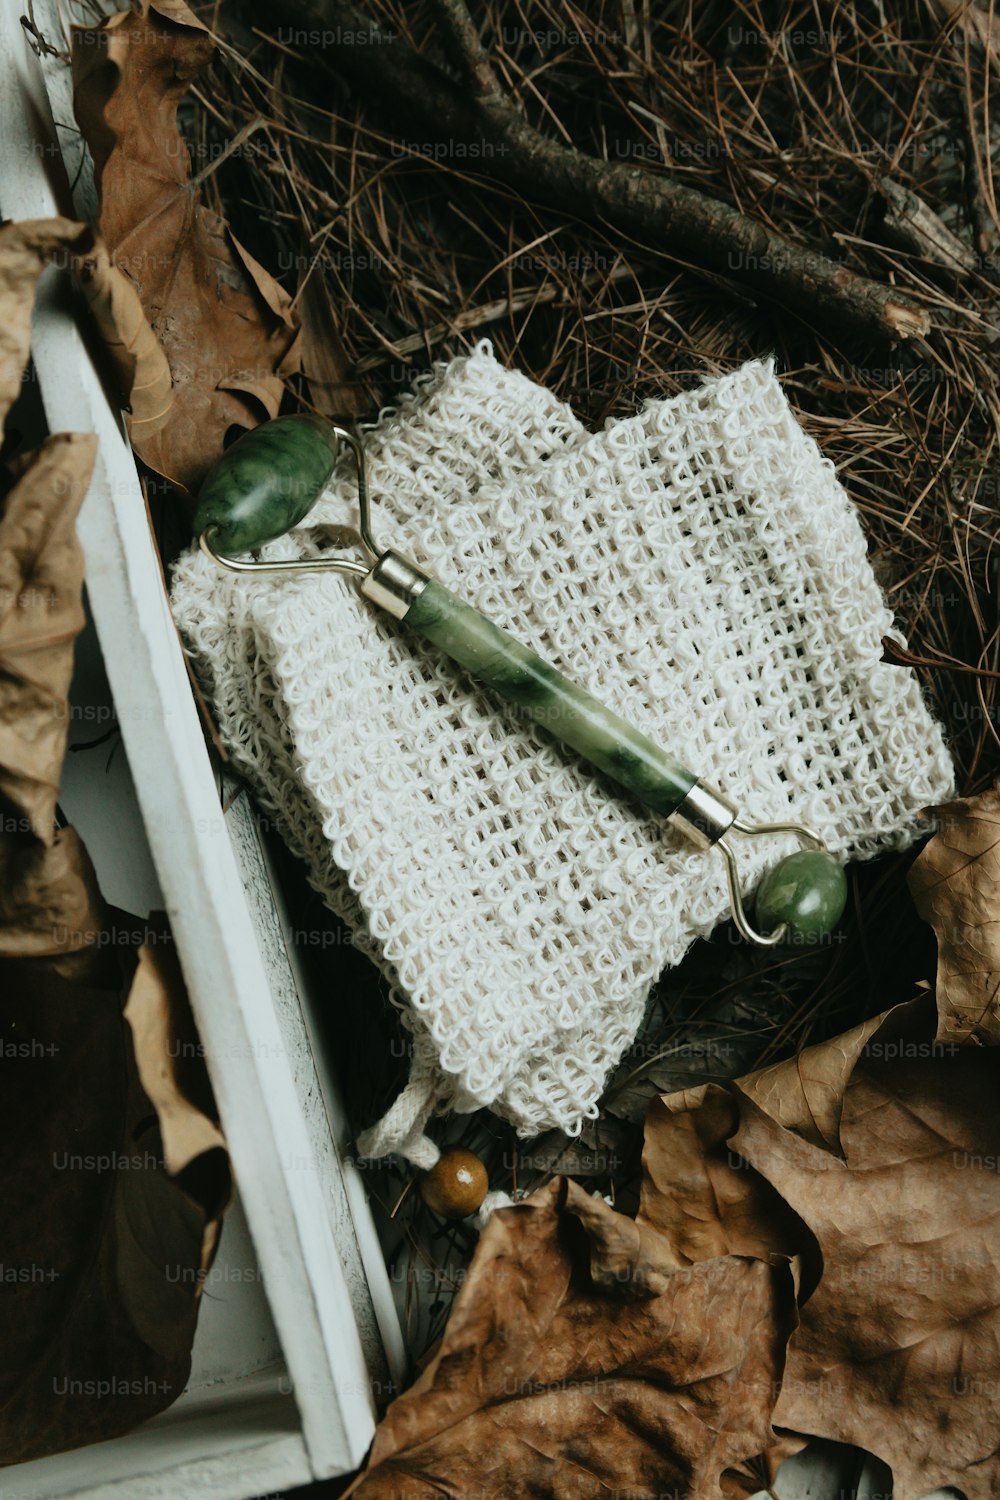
(699, 568)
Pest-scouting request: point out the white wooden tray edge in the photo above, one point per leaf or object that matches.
(198, 873)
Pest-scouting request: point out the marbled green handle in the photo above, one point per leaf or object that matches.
(566, 711)
(267, 482)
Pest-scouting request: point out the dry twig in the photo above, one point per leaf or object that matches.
(650, 210)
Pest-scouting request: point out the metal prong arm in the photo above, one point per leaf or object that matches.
(290, 565)
(751, 830)
(743, 927)
(709, 819)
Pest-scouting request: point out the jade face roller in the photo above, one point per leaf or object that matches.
(268, 481)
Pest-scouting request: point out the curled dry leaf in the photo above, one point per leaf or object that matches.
(41, 564)
(226, 326)
(140, 363)
(178, 11)
(806, 1094)
(694, 1198)
(578, 1361)
(41, 575)
(50, 904)
(25, 250)
(172, 1073)
(955, 883)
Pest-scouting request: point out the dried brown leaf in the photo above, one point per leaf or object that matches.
(806, 1093)
(140, 363)
(898, 1345)
(225, 324)
(49, 901)
(172, 1073)
(26, 248)
(179, 12)
(41, 562)
(41, 573)
(51, 907)
(693, 1196)
(955, 884)
(861, 1172)
(578, 1362)
(898, 1349)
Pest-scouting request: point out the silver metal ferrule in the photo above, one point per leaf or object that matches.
(394, 583)
(704, 815)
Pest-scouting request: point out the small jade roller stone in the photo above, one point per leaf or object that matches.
(456, 1185)
(807, 891)
(267, 482)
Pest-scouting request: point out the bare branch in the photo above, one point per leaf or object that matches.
(464, 47)
(649, 209)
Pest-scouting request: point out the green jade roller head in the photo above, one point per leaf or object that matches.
(267, 482)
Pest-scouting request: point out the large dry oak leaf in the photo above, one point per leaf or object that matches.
(887, 1172)
(226, 325)
(859, 1179)
(580, 1361)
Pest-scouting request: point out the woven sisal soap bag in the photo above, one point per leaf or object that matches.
(699, 568)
